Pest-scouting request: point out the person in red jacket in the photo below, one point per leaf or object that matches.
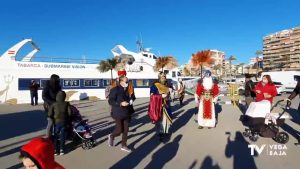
(39, 154)
(265, 90)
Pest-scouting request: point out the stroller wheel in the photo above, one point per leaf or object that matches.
(282, 137)
(247, 133)
(253, 137)
(87, 144)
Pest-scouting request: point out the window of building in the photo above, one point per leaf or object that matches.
(71, 83)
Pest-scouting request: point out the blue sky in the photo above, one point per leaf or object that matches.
(92, 28)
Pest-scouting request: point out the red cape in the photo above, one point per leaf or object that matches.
(155, 107)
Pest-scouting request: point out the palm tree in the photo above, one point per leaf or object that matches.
(217, 67)
(168, 62)
(186, 71)
(202, 58)
(231, 58)
(242, 65)
(248, 68)
(258, 53)
(106, 65)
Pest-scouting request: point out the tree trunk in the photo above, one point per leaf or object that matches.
(230, 67)
(242, 70)
(111, 74)
(201, 69)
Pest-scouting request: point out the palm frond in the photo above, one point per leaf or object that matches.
(171, 62)
(106, 65)
(103, 66)
(202, 58)
(168, 62)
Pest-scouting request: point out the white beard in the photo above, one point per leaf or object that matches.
(207, 83)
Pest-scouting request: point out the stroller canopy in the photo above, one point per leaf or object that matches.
(259, 109)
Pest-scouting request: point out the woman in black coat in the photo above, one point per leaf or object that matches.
(119, 99)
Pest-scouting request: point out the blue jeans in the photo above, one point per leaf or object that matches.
(34, 95)
(60, 136)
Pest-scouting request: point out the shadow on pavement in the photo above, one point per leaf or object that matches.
(239, 151)
(11, 151)
(192, 166)
(135, 157)
(208, 164)
(20, 123)
(17, 166)
(105, 130)
(166, 153)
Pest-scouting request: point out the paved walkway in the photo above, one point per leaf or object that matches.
(221, 148)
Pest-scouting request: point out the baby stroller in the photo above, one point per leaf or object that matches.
(81, 130)
(262, 122)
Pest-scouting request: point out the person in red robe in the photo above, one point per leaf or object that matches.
(205, 96)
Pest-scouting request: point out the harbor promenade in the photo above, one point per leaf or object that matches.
(223, 147)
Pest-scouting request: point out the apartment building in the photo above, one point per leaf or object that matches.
(281, 50)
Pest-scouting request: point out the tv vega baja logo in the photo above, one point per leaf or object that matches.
(272, 150)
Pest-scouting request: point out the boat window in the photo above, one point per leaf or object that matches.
(145, 55)
(142, 82)
(154, 57)
(173, 74)
(43, 82)
(106, 82)
(71, 83)
(91, 83)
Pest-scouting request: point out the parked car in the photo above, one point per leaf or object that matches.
(280, 87)
(223, 87)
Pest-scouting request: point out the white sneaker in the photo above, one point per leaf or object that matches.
(126, 149)
(110, 141)
(61, 152)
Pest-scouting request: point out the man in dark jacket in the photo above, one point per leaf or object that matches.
(50, 90)
(34, 87)
(119, 99)
(249, 90)
(60, 113)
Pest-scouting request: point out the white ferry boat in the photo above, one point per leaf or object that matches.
(80, 81)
